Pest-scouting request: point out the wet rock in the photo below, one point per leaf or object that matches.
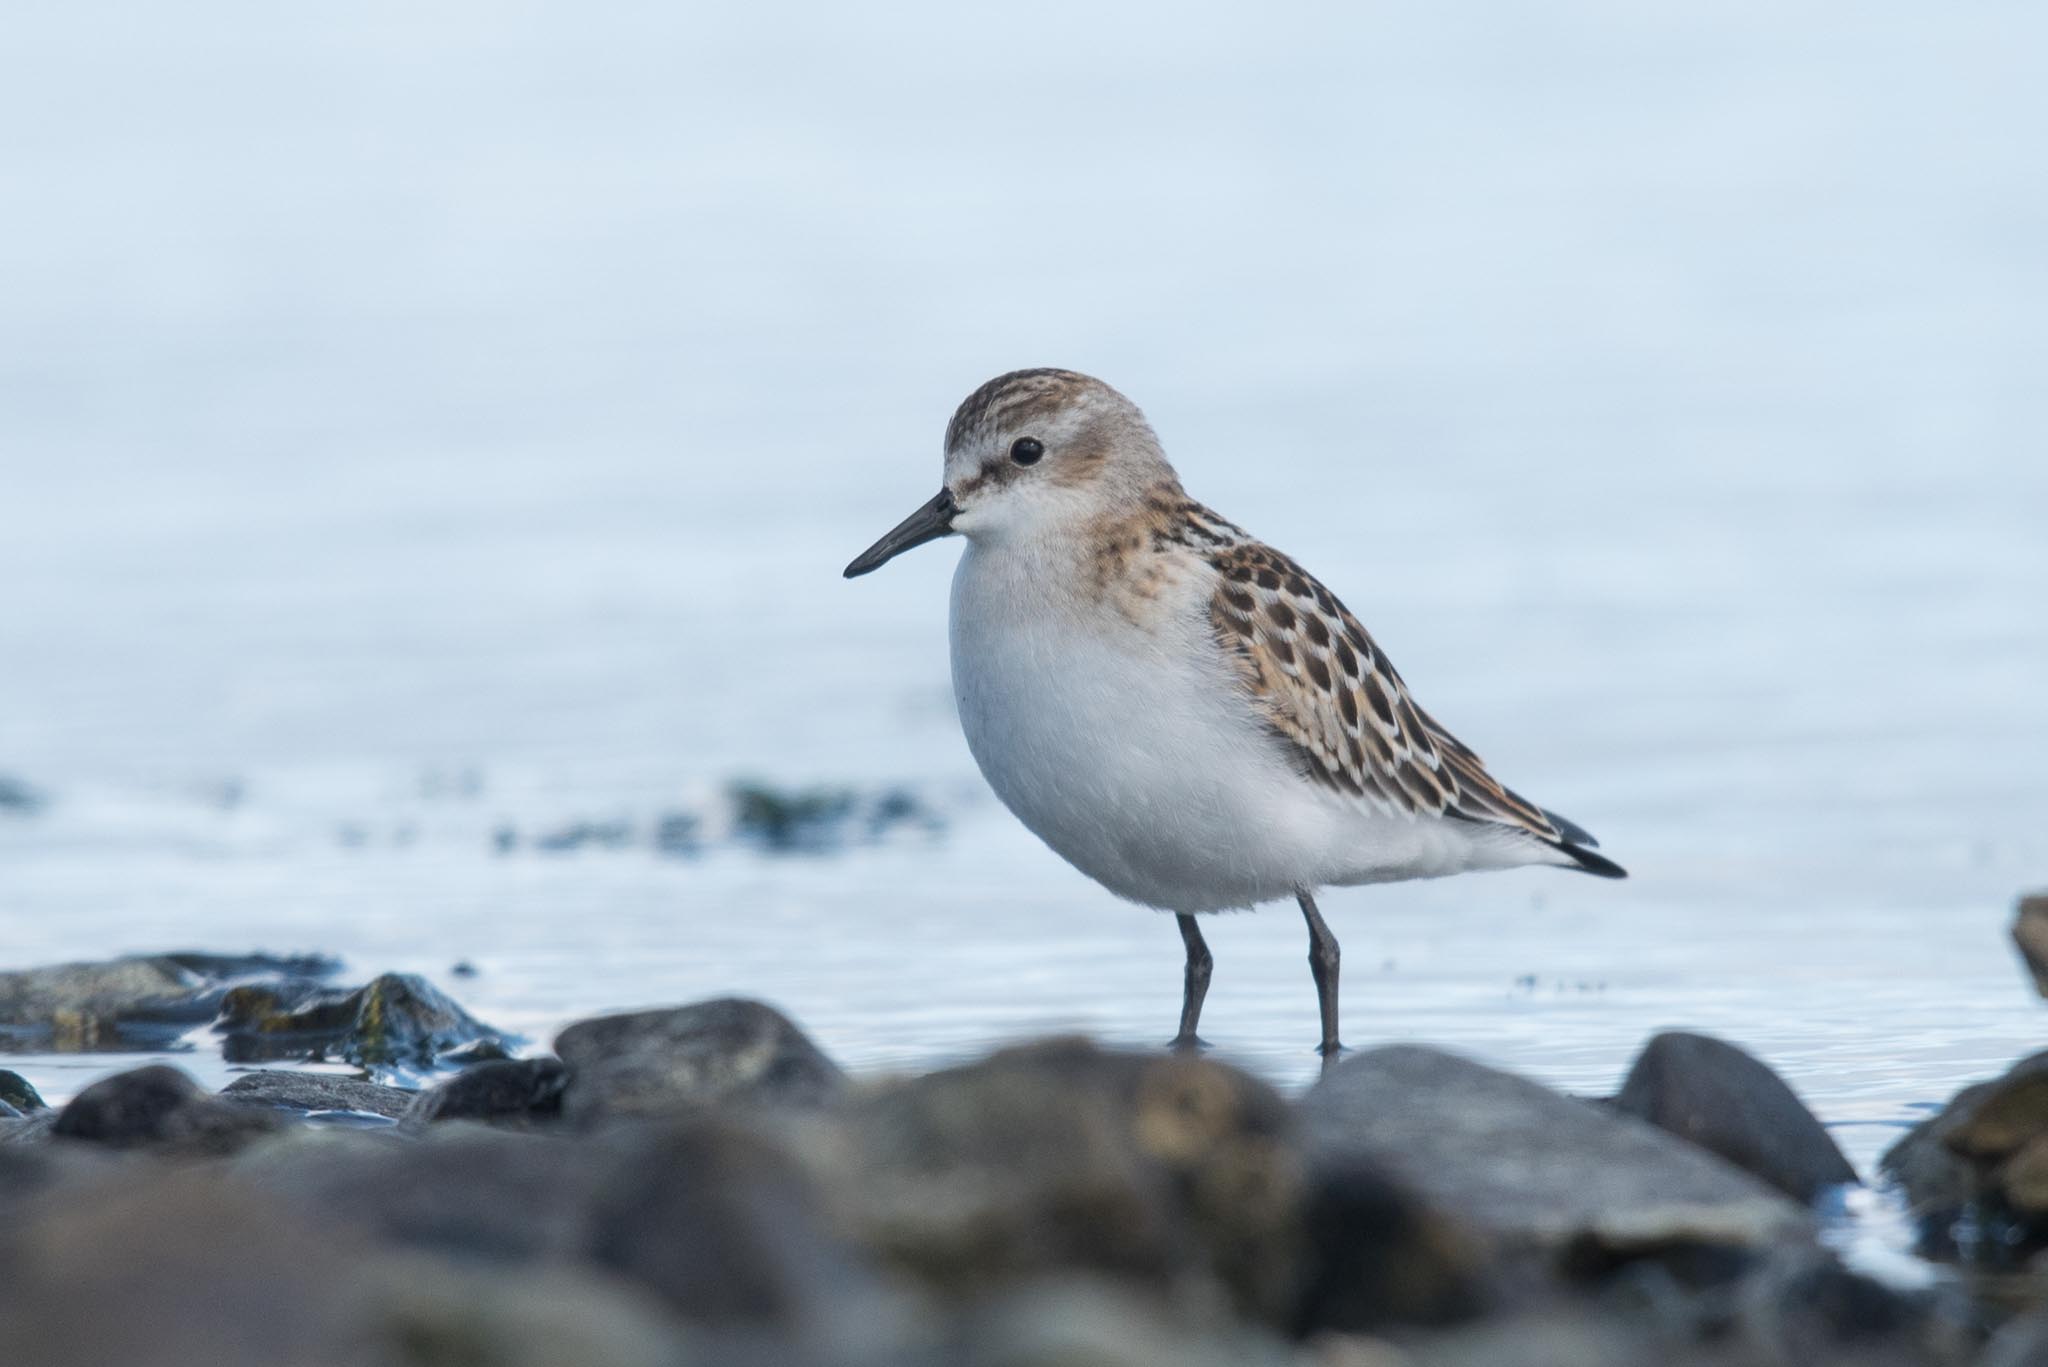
(711, 1053)
(396, 1020)
(191, 1269)
(81, 1006)
(1178, 1177)
(160, 1108)
(2030, 937)
(318, 1094)
(506, 1092)
(1712, 1094)
(17, 1094)
(1984, 1155)
(1532, 1170)
(137, 1003)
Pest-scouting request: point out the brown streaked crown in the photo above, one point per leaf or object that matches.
(1017, 397)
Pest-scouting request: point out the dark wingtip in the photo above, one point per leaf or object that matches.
(1572, 831)
(1599, 865)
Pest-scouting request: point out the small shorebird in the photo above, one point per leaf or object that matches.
(1179, 710)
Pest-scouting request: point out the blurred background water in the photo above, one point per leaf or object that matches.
(418, 425)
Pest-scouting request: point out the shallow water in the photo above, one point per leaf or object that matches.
(413, 424)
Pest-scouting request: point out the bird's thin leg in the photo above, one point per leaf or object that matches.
(1194, 985)
(1323, 956)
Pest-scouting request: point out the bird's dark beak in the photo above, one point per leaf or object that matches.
(929, 523)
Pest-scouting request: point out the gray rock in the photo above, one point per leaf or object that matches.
(730, 1050)
(398, 1019)
(1532, 1170)
(2030, 937)
(318, 1093)
(1712, 1094)
(17, 1094)
(718, 1224)
(160, 1108)
(505, 1092)
(183, 1268)
(1175, 1175)
(30, 1129)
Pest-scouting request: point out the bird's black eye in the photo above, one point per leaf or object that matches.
(1026, 450)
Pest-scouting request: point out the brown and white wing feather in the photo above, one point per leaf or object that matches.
(1326, 689)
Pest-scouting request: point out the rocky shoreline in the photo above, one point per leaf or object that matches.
(705, 1185)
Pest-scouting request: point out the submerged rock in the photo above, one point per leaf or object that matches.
(18, 798)
(396, 1020)
(1713, 1094)
(160, 1108)
(2030, 937)
(1175, 1176)
(1532, 1170)
(318, 1093)
(505, 1092)
(814, 820)
(662, 1062)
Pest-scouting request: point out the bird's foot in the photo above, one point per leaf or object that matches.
(1186, 1043)
(1331, 1050)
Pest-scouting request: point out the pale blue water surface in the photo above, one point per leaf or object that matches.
(414, 422)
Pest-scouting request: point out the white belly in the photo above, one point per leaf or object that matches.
(1127, 749)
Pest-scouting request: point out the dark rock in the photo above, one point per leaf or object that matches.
(161, 1108)
(1984, 1155)
(485, 1050)
(317, 1094)
(138, 1003)
(17, 1093)
(1378, 1255)
(192, 1269)
(2030, 937)
(397, 1019)
(715, 1052)
(1177, 1176)
(1716, 1096)
(514, 1092)
(1804, 1306)
(1532, 1170)
(28, 1129)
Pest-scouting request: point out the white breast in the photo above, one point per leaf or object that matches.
(1126, 745)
